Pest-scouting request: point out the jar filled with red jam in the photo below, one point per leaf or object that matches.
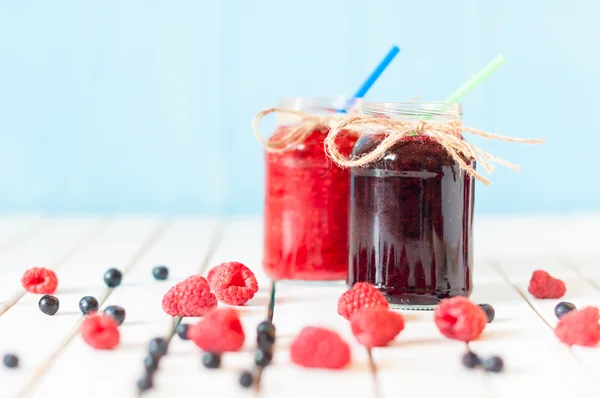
(307, 198)
(411, 212)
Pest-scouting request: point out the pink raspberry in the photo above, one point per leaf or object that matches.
(376, 327)
(100, 332)
(191, 297)
(320, 348)
(362, 295)
(220, 331)
(233, 283)
(579, 327)
(39, 280)
(542, 285)
(458, 318)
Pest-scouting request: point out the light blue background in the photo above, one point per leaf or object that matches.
(145, 106)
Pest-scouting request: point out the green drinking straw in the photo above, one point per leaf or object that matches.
(476, 79)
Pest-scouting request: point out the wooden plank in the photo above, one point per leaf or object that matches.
(38, 338)
(183, 248)
(48, 245)
(15, 228)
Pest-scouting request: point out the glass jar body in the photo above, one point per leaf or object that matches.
(306, 210)
(411, 217)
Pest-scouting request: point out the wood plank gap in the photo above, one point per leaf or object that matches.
(152, 239)
(80, 244)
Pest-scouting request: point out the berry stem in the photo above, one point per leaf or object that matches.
(271, 307)
(373, 369)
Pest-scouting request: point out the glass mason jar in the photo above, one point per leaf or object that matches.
(306, 200)
(411, 213)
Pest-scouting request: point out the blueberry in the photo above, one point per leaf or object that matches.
(265, 335)
(493, 364)
(266, 327)
(48, 304)
(113, 277)
(182, 331)
(471, 360)
(211, 360)
(160, 273)
(150, 364)
(489, 311)
(10, 361)
(563, 308)
(263, 357)
(145, 383)
(116, 312)
(246, 379)
(88, 304)
(158, 347)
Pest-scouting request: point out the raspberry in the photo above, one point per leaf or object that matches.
(579, 327)
(191, 297)
(458, 318)
(542, 285)
(233, 283)
(375, 327)
(100, 332)
(320, 348)
(218, 332)
(362, 295)
(39, 280)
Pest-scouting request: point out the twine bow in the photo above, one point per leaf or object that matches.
(448, 135)
(294, 135)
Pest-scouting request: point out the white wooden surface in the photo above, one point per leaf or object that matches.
(56, 362)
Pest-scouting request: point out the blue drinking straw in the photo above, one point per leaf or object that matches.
(362, 91)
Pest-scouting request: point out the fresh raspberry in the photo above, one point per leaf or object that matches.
(320, 348)
(39, 280)
(218, 332)
(375, 327)
(542, 285)
(233, 283)
(191, 297)
(362, 295)
(100, 332)
(579, 327)
(458, 318)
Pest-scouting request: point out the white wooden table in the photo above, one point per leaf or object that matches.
(56, 362)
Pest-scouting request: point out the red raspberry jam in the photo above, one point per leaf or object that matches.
(411, 217)
(306, 211)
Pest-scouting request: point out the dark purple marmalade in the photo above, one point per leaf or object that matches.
(411, 217)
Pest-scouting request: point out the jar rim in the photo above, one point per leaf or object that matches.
(303, 103)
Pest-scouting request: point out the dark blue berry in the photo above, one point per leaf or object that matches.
(246, 379)
(150, 364)
(160, 273)
(145, 383)
(265, 335)
(88, 304)
(48, 304)
(263, 357)
(563, 308)
(158, 347)
(489, 311)
(182, 331)
(266, 327)
(493, 364)
(211, 360)
(471, 360)
(10, 361)
(116, 312)
(113, 277)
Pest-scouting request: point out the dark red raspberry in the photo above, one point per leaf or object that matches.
(39, 280)
(458, 318)
(233, 283)
(220, 331)
(362, 295)
(542, 285)
(191, 297)
(376, 327)
(320, 348)
(100, 332)
(579, 327)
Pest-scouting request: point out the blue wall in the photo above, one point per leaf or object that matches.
(145, 106)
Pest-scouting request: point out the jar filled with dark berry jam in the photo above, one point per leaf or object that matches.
(411, 212)
(307, 196)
